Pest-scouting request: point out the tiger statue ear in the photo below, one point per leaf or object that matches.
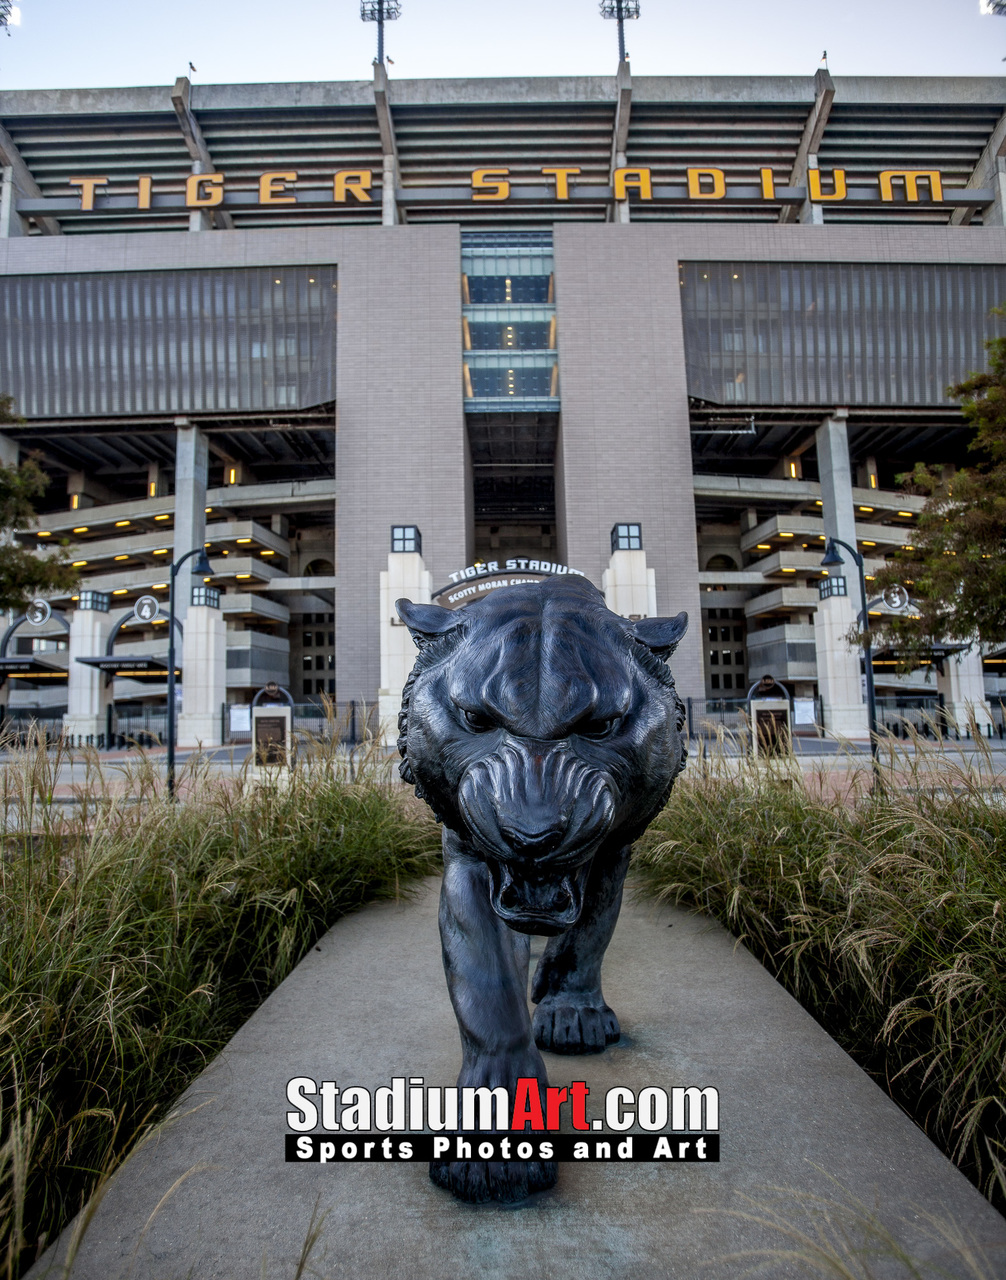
(427, 622)
(661, 635)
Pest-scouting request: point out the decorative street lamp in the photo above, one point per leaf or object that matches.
(201, 569)
(622, 11)
(832, 559)
(380, 11)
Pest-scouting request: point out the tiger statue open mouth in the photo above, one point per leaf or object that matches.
(545, 732)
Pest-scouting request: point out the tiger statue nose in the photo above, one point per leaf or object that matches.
(533, 839)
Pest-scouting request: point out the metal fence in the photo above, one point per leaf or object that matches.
(16, 724)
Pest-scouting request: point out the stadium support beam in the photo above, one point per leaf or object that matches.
(806, 152)
(23, 182)
(991, 172)
(619, 212)
(391, 215)
(200, 153)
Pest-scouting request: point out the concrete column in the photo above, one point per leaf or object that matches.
(204, 674)
(389, 207)
(200, 219)
(191, 463)
(11, 222)
(838, 661)
(624, 451)
(405, 577)
(401, 428)
(88, 693)
(10, 451)
(963, 687)
(630, 588)
(811, 215)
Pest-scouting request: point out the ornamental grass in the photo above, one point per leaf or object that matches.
(879, 907)
(138, 934)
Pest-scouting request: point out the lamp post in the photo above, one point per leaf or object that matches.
(622, 11)
(201, 569)
(380, 11)
(832, 559)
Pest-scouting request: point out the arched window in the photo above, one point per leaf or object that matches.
(320, 569)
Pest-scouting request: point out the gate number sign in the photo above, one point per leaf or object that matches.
(146, 608)
(38, 613)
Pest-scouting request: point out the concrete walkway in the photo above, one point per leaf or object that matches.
(695, 1010)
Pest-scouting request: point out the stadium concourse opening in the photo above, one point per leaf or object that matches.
(362, 340)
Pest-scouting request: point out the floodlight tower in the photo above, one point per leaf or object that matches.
(380, 11)
(623, 10)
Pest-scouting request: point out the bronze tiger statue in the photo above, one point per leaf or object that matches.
(545, 732)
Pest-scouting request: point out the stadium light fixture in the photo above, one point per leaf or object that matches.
(380, 11)
(623, 10)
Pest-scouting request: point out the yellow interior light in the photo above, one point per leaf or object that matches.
(244, 575)
(233, 475)
(873, 481)
(162, 517)
(267, 553)
(43, 533)
(152, 489)
(81, 529)
(788, 571)
(159, 622)
(121, 524)
(160, 586)
(818, 503)
(904, 513)
(868, 544)
(75, 597)
(121, 591)
(74, 501)
(787, 535)
(208, 510)
(792, 470)
(124, 557)
(161, 551)
(909, 547)
(244, 539)
(79, 564)
(866, 508)
(764, 546)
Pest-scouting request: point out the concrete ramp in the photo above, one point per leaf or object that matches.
(695, 1009)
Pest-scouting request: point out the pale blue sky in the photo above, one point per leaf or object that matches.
(67, 43)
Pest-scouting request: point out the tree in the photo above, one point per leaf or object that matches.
(955, 572)
(25, 574)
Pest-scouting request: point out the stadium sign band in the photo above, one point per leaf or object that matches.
(355, 187)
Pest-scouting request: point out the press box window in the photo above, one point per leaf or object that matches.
(406, 537)
(627, 537)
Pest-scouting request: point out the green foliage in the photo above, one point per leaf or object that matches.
(137, 935)
(25, 574)
(956, 571)
(885, 915)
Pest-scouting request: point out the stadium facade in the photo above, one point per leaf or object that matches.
(421, 338)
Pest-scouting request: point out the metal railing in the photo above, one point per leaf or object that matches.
(16, 723)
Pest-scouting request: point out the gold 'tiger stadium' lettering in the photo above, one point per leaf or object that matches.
(275, 187)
